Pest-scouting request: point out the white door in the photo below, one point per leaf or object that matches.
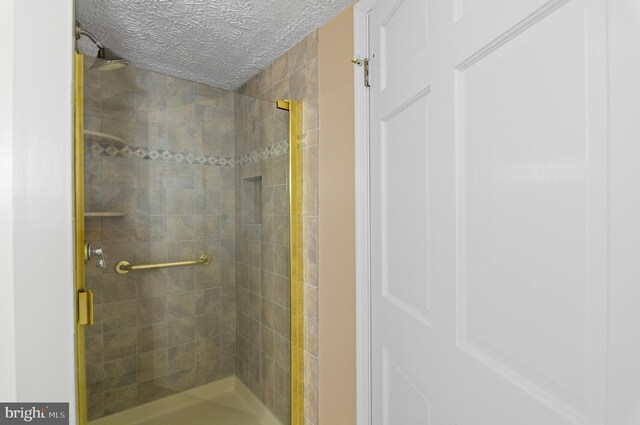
(505, 243)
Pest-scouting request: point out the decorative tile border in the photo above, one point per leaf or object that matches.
(115, 150)
(276, 149)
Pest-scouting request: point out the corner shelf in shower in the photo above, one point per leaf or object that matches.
(104, 214)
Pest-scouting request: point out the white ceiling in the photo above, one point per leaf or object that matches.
(222, 43)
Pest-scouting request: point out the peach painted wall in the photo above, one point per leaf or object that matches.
(337, 332)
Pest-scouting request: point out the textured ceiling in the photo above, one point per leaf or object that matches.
(222, 43)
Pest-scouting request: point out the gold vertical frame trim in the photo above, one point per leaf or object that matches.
(78, 179)
(296, 260)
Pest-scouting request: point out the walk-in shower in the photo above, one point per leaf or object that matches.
(190, 196)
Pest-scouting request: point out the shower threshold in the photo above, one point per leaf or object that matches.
(224, 402)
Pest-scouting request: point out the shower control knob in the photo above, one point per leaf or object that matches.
(90, 252)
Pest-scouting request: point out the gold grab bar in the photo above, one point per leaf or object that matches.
(124, 267)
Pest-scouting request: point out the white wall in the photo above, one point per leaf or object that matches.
(38, 205)
(7, 314)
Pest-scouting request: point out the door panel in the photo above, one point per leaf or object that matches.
(531, 149)
(400, 148)
(531, 232)
(403, 32)
(489, 212)
(404, 225)
(623, 373)
(403, 45)
(403, 402)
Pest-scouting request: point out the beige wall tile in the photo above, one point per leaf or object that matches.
(180, 89)
(182, 227)
(154, 337)
(120, 399)
(280, 68)
(119, 344)
(281, 354)
(152, 284)
(180, 202)
(180, 111)
(208, 350)
(281, 320)
(151, 310)
(152, 252)
(181, 305)
(311, 319)
(151, 201)
(182, 380)
(193, 325)
(208, 326)
(94, 350)
(297, 56)
(181, 331)
(153, 389)
(281, 290)
(310, 180)
(311, 383)
(151, 365)
(181, 357)
(151, 228)
(228, 345)
(119, 315)
(117, 287)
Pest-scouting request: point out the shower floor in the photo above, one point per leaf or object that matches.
(224, 402)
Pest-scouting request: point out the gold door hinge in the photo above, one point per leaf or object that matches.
(85, 308)
(364, 63)
(285, 105)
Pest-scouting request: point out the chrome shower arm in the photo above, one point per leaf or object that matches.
(110, 59)
(81, 31)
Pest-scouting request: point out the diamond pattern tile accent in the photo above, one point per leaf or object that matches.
(120, 151)
(277, 149)
(127, 152)
(112, 151)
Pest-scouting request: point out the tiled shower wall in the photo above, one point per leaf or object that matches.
(263, 293)
(164, 331)
(263, 304)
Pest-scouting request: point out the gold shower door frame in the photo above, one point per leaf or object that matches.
(78, 182)
(296, 258)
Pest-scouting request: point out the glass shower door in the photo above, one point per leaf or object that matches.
(174, 170)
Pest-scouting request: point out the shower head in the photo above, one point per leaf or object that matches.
(106, 59)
